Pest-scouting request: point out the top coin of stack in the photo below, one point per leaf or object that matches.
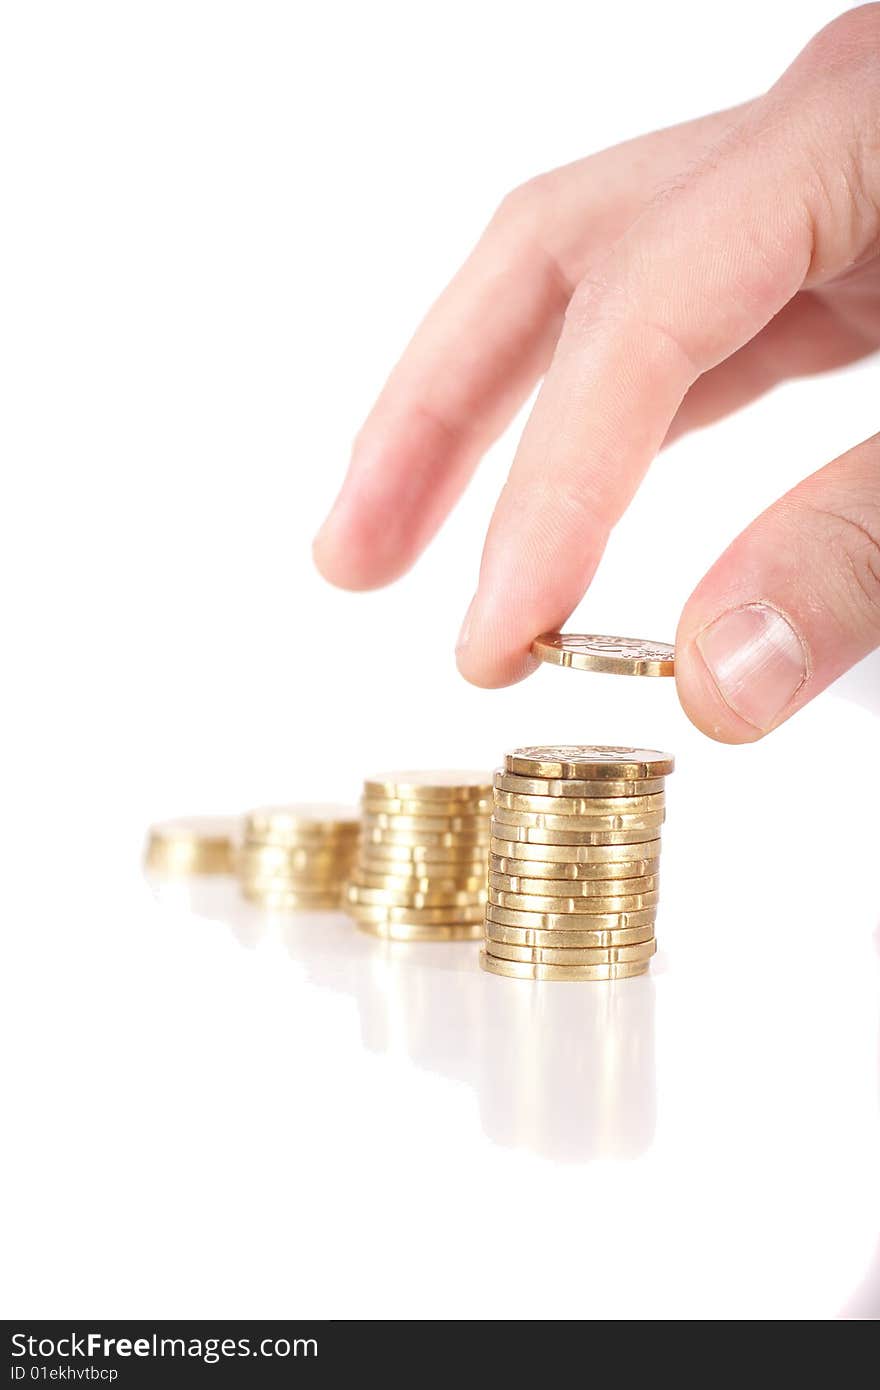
(298, 857)
(420, 873)
(574, 861)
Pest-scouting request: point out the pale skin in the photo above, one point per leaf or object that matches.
(654, 287)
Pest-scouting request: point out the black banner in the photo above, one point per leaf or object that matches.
(95, 1353)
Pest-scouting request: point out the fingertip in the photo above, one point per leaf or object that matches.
(336, 566)
(351, 552)
(700, 696)
(484, 662)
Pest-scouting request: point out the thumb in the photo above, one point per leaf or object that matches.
(791, 604)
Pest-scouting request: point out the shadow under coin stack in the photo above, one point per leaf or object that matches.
(298, 858)
(420, 874)
(573, 868)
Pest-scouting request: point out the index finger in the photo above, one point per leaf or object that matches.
(698, 275)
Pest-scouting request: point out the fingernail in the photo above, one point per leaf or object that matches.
(757, 660)
(465, 635)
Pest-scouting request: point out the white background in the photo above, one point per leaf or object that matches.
(221, 222)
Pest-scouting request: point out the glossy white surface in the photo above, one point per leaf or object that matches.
(214, 1114)
(219, 1113)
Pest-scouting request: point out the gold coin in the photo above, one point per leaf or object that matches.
(420, 854)
(472, 867)
(548, 820)
(293, 883)
(616, 656)
(573, 873)
(193, 845)
(413, 931)
(569, 888)
(386, 897)
(598, 854)
(571, 955)
(426, 839)
(391, 806)
(575, 938)
(279, 857)
(573, 786)
(469, 825)
(563, 921)
(399, 875)
(540, 902)
(581, 806)
(590, 762)
(533, 837)
(418, 916)
(430, 786)
(302, 823)
(397, 883)
(521, 970)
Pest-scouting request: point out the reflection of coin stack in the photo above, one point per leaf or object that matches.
(298, 857)
(573, 872)
(421, 871)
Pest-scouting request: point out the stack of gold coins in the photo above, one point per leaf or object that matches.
(421, 870)
(298, 857)
(192, 845)
(573, 868)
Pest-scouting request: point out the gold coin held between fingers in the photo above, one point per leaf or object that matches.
(581, 806)
(514, 867)
(522, 970)
(578, 938)
(574, 888)
(567, 921)
(573, 786)
(570, 955)
(589, 854)
(589, 762)
(534, 902)
(193, 845)
(618, 656)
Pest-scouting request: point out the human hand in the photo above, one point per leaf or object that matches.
(659, 285)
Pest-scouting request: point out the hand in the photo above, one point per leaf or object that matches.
(659, 286)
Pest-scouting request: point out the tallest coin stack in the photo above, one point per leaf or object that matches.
(574, 861)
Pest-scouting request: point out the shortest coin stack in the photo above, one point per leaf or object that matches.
(192, 845)
(420, 873)
(574, 863)
(298, 857)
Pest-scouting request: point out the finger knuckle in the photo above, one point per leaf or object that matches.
(834, 99)
(522, 210)
(850, 537)
(853, 37)
(590, 301)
